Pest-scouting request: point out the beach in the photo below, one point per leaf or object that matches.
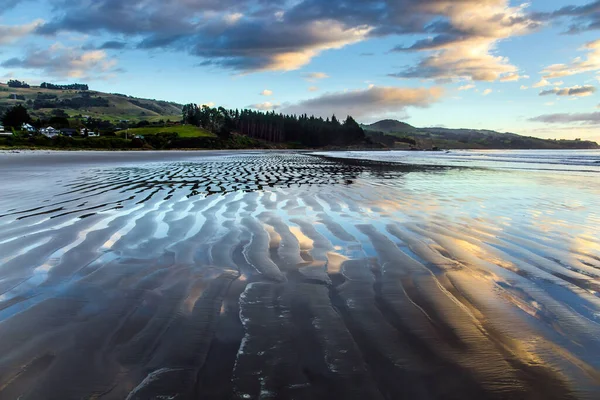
(298, 275)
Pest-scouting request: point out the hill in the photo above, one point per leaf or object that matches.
(390, 126)
(399, 134)
(113, 107)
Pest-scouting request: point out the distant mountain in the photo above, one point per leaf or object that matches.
(107, 106)
(394, 133)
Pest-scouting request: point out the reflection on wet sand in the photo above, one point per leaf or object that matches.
(293, 276)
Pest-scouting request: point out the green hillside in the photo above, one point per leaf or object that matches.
(41, 102)
(184, 131)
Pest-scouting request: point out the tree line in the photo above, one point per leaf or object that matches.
(275, 127)
(13, 83)
(74, 86)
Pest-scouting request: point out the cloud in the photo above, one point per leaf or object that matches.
(65, 62)
(273, 35)
(486, 92)
(113, 45)
(579, 91)
(313, 89)
(266, 106)
(543, 82)
(523, 87)
(466, 40)
(266, 92)
(585, 118)
(578, 65)
(583, 18)
(244, 35)
(11, 33)
(233, 18)
(466, 87)
(513, 77)
(315, 76)
(367, 102)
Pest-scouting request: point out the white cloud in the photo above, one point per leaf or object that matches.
(466, 87)
(486, 92)
(523, 87)
(315, 76)
(313, 89)
(543, 82)
(266, 106)
(266, 92)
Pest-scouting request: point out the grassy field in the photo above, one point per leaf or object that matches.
(186, 131)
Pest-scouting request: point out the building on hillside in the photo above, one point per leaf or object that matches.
(49, 132)
(69, 132)
(28, 128)
(93, 134)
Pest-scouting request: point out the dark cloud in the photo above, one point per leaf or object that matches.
(367, 102)
(250, 35)
(586, 118)
(582, 18)
(113, 45)
(570, 91)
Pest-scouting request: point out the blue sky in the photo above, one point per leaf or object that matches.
(530, 68)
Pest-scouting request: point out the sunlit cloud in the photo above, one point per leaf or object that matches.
(468, 52)
(578, 65)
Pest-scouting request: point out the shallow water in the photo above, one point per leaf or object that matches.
(281, 275)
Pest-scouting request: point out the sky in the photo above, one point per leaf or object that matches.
(531, 68)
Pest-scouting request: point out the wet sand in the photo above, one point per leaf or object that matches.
(268, 275)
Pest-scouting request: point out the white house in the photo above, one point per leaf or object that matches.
(49, 132)
(28, 128)
(3, 132)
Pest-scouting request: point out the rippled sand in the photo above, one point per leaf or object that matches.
(288, 276)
